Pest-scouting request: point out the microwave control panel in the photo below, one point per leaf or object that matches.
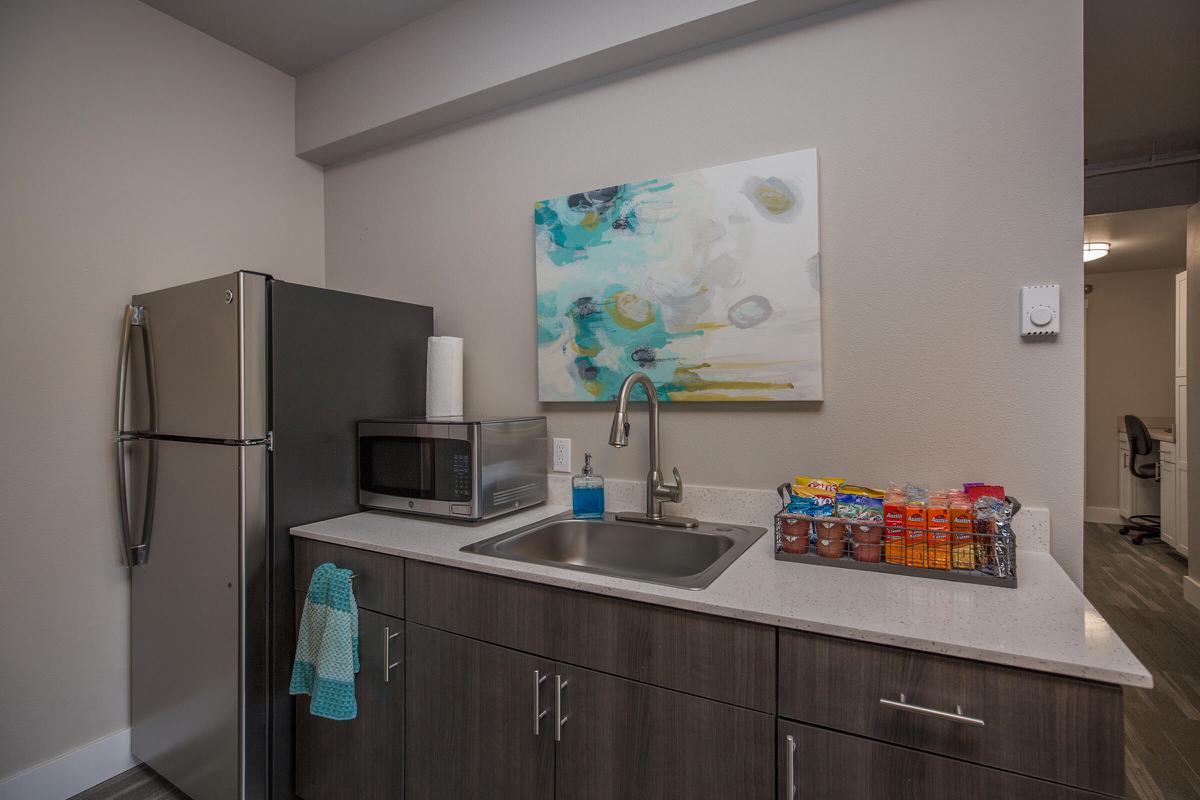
(460, 470)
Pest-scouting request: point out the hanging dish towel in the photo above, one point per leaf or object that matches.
(327, 650)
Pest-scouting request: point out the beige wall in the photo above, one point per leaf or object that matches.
(1130, 365)
(135, 153)
(950, 136)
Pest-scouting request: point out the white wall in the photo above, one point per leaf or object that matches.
(1130, 365)
(950, 135)
(135, 153)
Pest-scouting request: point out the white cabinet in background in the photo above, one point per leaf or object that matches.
(1181, 419)
(1181, 507)
(1169, 521)
(1181, 325)
(1124, 479)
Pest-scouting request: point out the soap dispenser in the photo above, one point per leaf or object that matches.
(587, 492)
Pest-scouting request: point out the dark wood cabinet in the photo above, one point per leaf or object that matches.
(473, 726)
(359, 758)
(1046, 726)
(818, 764)
(626, 739)
(715, 657)
(378, 577)
(672, 705)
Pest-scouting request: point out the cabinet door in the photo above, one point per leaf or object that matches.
(1181, 324)
(1167, 485)
(472, 720)
(1181, 421)
(625, 739)
(358, 758)
(1181, 508)
(1124, 480)
(819, 764)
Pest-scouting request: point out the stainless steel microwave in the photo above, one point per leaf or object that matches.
(468, 468)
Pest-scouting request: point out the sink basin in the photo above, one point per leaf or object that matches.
(688, 558)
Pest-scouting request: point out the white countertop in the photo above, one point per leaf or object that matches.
(1045, 624)
(1161, 429)
(1162, 434)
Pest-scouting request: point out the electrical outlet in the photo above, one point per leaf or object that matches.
(562, 455)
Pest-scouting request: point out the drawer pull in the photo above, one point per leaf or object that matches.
(791, 768)
(957, 716)
(538, 713)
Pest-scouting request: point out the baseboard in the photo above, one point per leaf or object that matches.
(69, 774)
(1191, 590)
(1103, 515)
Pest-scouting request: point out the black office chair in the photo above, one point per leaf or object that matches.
(1146, 525)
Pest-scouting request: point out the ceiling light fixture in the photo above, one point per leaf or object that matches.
(1094, 250)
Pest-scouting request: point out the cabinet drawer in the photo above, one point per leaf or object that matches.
(378, 577)
(835, 766)
(713, 657)
(1060, 729)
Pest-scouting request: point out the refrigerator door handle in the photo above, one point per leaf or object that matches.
(136, 552)
(136, 317)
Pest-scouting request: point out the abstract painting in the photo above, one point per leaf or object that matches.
(707, 281)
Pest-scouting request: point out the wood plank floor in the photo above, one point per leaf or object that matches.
(139, 783)
(1139, 591)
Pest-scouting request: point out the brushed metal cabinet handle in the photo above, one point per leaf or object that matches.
(538, 713)
(388, 664)
(559, 719)
(955, 716)
(791, 768)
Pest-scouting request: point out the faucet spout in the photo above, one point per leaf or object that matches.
(656, 491)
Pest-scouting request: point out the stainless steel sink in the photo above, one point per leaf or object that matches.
(688, 558)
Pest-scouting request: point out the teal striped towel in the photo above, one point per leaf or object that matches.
(327, 651)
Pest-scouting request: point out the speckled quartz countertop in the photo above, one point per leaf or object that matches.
(1045, 624)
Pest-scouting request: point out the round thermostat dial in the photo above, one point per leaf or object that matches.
(1041, 316)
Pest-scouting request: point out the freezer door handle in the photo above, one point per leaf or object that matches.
(136, 317)
(136, 552)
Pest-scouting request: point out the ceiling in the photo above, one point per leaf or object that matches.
(1152, 238)
(297, 35)
(1141, 77)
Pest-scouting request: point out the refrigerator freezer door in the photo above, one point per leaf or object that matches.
(210, 359)
(197, 653)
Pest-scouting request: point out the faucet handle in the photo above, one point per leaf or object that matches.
(677, 489)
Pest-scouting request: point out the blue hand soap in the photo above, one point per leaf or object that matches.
(587, 492)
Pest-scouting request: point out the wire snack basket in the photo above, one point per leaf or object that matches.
(985, 554)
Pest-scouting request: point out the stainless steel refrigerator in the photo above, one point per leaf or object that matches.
(236, 407)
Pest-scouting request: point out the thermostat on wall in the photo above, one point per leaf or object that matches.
(1039, 310)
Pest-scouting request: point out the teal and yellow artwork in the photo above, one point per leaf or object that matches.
(708, 281)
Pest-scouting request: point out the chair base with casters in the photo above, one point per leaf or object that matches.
(1146, 525)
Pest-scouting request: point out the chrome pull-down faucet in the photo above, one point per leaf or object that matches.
(657, 492)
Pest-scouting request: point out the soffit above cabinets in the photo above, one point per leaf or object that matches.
(295, 36)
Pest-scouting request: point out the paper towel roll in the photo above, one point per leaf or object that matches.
(444, 377)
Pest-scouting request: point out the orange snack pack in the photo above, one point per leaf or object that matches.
(938, 523)
(893, 534)
(915, 535)
(962, 539)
